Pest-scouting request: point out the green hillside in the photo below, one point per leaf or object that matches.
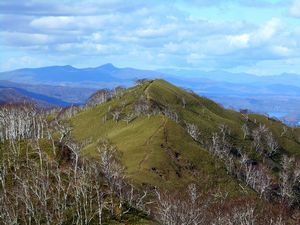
(155, 147)
(147, 155)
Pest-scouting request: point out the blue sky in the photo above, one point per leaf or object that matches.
(254, 36)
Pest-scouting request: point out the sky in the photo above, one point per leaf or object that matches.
(253, 36)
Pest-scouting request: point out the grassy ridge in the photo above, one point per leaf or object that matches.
(157, 151)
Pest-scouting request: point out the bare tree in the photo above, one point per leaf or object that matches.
(171, 114)
(225, 131)
(111, 169)
(68, 112)
(216, 145)
(142, 106)
(63, 129)
(129, 117)
(20, 121)
(284, 131)
(272, 144)
(220, 142)
(183, 102)
(242, 215)
(99, 97)
(176, 210)
(119, 91)
(258, 136)
(245, 130)
(245, 114)
(193, 131)
(257, 178)
(262, 138)
(116, 114)
(140, 81)
(76, 148)
(289, 177)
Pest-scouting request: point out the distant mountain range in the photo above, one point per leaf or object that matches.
(44, 95)
(108, 76)
(105, 76)
(12, 95)
(64, 85)
(236, 78)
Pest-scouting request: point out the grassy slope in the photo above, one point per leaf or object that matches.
(159, 152)
(208, 115)
(156, 150)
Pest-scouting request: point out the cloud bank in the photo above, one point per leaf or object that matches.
(230, 35)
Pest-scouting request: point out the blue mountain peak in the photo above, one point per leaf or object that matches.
(108, 66)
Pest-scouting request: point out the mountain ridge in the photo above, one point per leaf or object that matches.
(166, 147)
(128, 73)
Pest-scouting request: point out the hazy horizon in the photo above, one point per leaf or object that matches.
(162, 69)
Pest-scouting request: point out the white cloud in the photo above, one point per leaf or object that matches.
(171, 47)
(266, 31)
(73, 22)
(24, 39)
(239, 41)
(64, 47)
(258, 37)
(281, 50)
(194, 58)
(96, 36)
(87, 48)
(156, 32)
(295, 8)
(53, 22)
(19, 62)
